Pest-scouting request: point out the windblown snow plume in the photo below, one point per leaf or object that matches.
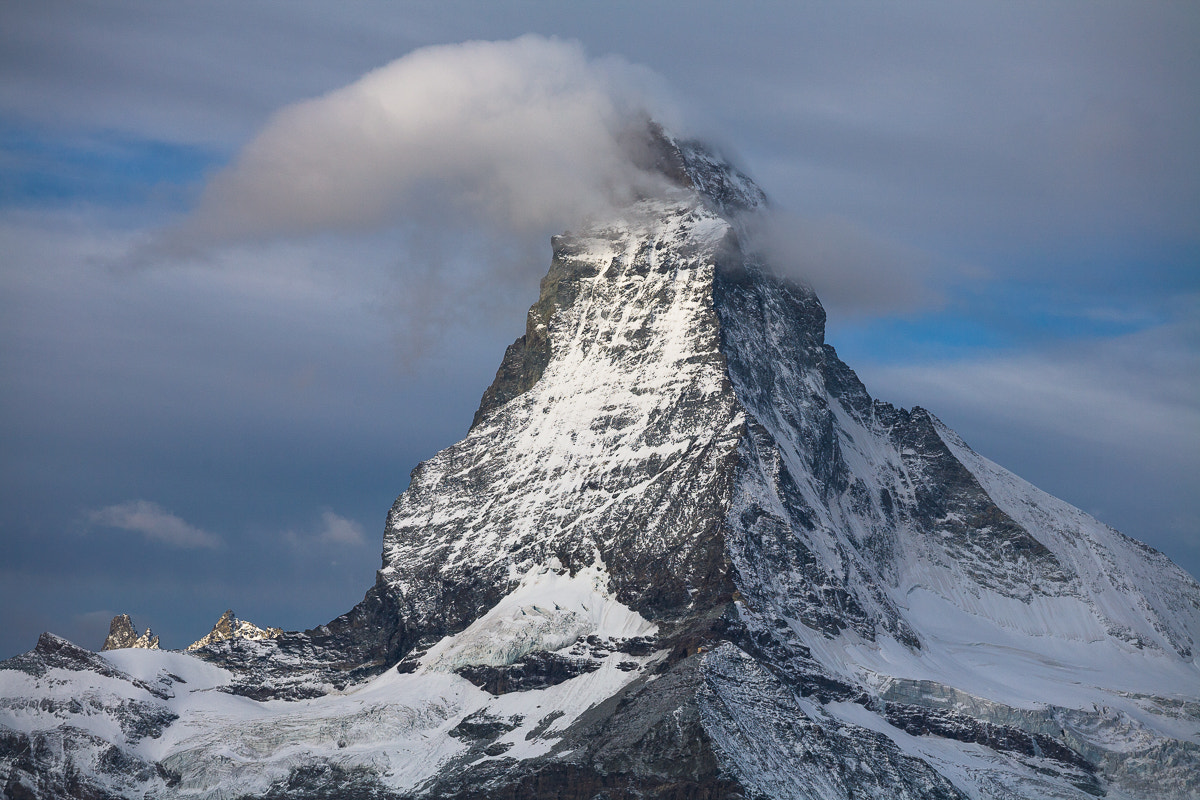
(525, 133)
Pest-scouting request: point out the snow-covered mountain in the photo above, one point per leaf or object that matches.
(680, 553)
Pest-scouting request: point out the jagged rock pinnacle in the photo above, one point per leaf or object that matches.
(122, 634)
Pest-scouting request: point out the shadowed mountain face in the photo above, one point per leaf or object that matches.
(680, 553)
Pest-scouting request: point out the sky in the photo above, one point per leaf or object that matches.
(260, 259)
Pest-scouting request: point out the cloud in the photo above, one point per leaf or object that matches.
(332, 529)
(1133, 393)
(523, 134)
(853, 270)
(339, 530)
(155, 523)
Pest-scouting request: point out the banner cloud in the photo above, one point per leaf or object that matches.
(526, 133)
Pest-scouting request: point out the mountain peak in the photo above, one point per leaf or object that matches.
(714, 192)
(228, 628)
(696, 165)
(122, 634)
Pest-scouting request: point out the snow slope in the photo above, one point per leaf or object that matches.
(168, 709)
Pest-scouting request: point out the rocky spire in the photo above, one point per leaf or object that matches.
(122, 634)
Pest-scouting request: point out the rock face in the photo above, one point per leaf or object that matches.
(683, 553)
(229, 627)
(121, 633)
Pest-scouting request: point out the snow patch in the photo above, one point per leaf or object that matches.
(549, 610)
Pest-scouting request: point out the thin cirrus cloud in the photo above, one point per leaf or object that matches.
(154, 523)
(521, 134)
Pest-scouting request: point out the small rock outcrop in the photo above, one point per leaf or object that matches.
(122, 634)
(230, 627)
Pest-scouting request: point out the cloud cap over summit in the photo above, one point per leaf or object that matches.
(526, 133)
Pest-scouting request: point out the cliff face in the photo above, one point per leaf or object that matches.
(622, 453)
(683, 553)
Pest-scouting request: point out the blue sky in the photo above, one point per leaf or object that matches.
(203, 408)
(44, 167)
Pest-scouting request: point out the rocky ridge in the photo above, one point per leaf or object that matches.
(228, 627)
(682, 552)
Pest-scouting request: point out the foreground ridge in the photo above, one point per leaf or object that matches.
(681, 552)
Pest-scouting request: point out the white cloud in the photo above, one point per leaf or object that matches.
(155, 523)
(524, 134)
(339, 530)
(331, 529)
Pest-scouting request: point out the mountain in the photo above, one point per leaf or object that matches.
(681, 553)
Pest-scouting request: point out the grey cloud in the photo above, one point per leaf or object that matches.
(154, 523)
(853, 271)
(1026, 121)
(523, 134)
(179, 72)
(1136, 392)
(331, 529)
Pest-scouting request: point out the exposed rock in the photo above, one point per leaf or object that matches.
(535, 671)
(121, 634)
(229, 627)
(69, 762)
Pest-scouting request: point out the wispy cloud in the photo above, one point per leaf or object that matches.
(1137, 392)
(331, 529)
(155, 523)
(853, 270)
(339, 530)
